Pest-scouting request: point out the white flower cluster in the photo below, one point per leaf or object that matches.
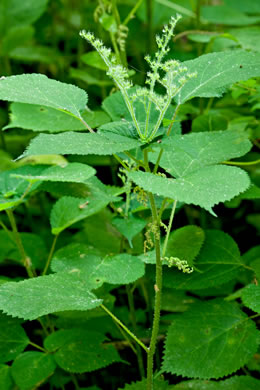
(182, 265)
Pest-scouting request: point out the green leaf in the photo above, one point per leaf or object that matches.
(40, 118)
(223, 14)
(68, 210)
(39, 89)
(78, 350)
(36, 53)
(76, 143)
(205, 188)
(217, 71)
(129, 227)
(185, 243)
(234, 383)
(202, 342)
(211, 122)
(38, 367)
(92, 58)
(248, 37)
(15, 37)
(119, 269)
(15, 13)
(43, 295)
(71, 172)
(158, 384)
(191, 152)
(249, 7)
(218, 262)
(6, 381)
(251, 297)
(13, 338)
(12, 189)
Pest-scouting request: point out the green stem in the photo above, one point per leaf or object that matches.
(124, 327)
(133, 320)
(37, 346)
(169, 228)
(75, 382)
(113, 40)
(132, 12)
(158, 294)
(25, 259)
(245, 163)
(50, 255)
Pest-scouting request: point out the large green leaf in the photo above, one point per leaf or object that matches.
(217, 71)
(251, 297)
(218, 262)
(36, 297)
(6, 381)
(224, 14)
(234, 383)
(205, 188)
(77, 143)
(211, 340)
(42, 118)
(129, 227)
(77, 350)
(72, 172)
(119, 269)
(191, 152)
(13, 338)
(248, 37)
(39, 89)
(249, 6)
(38, 367)
(15, 13)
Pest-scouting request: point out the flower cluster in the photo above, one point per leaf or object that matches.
(182, 265)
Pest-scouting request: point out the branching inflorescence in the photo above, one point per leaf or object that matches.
(170, 74)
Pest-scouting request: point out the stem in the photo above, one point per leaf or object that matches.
(133, 320)
(132, 12)
(158, 293)
(124, 327)
(37, 346)
(75, 382)
(169, 228)
(113, 40)
(50, 255)
(242, 162)
(25, 259)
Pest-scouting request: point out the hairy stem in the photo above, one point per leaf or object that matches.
(158, 295)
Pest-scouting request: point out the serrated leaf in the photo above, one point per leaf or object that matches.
(77, 143)
(79, 350)
(158, 384)
(119, 269)
(218, 262)
(38, 367)
(202, 342)
(191, 152)
(234, 383)
(205, 188)
(6, 381)
(42, 118)
(217, 71)
(71, 172)
(129, 227)
(13, 338)
(39, 89)
(68, 210)
(185, 243)
(251, 297)
(43, 295)
(15, 13)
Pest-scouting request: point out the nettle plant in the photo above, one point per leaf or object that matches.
(161, 170)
